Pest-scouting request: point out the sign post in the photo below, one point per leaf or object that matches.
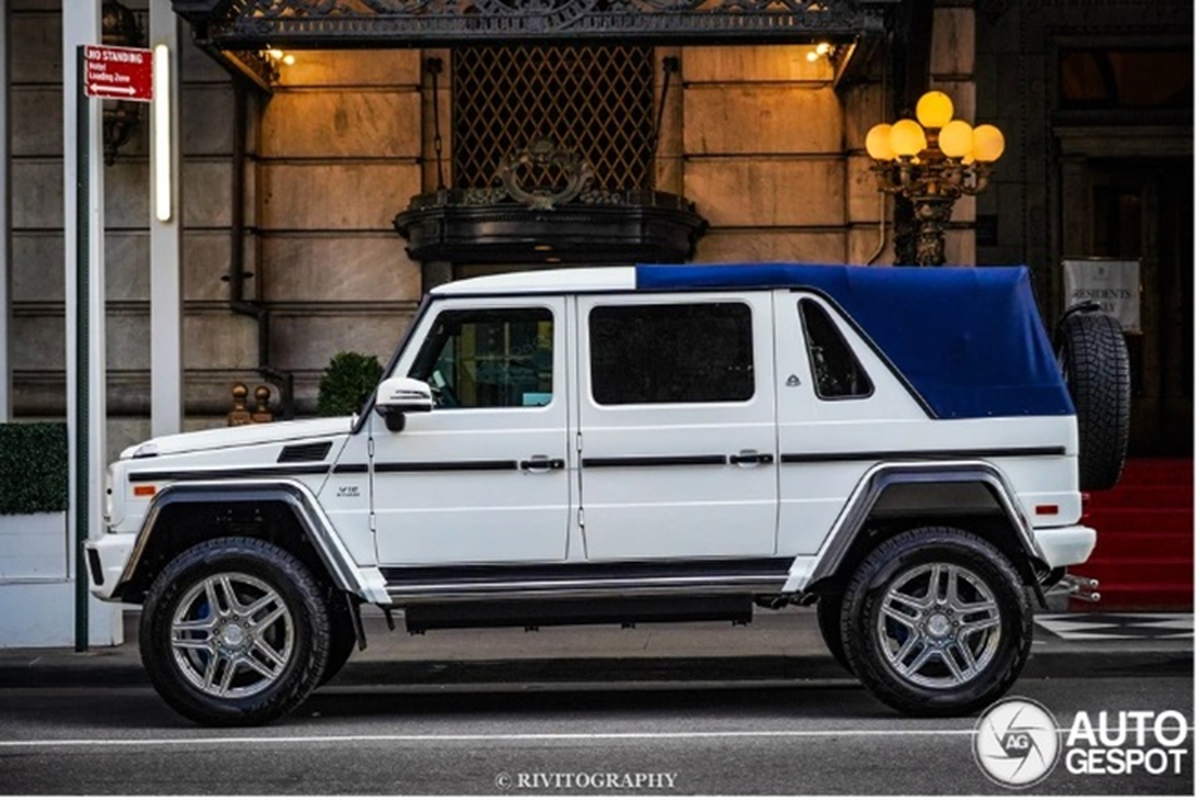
(123, 73)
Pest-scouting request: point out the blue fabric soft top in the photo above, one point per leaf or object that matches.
(968, 340)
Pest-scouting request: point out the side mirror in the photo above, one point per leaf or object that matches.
(399, 396)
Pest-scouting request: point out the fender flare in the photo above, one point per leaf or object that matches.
(366, 583)
(807, 570)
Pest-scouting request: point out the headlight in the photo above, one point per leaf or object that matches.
(147, 450)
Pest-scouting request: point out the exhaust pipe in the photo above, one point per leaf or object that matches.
(1077, 587)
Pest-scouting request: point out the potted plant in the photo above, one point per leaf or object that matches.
(346, 383)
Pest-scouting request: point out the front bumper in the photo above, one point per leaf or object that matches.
(1065, 546)
(106, 558)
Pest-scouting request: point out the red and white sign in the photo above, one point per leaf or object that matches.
(123, 73)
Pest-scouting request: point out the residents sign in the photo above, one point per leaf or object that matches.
(1113, 283)
(121, 73)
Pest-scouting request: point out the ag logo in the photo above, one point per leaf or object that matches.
(1016, 742)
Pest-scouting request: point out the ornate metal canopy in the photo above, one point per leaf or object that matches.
(570, 223)
(250, 24)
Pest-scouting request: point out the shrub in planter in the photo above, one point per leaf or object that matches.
(33, 468)
(346, 383)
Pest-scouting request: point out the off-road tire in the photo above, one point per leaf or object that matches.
(829, 622)
(863, 621)
(342, 637)
(1095, 364)
(178, 591)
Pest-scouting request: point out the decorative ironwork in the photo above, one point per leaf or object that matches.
(541, 157)
(248, 24)
(597, 102)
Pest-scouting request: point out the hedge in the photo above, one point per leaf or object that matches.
(33, 467)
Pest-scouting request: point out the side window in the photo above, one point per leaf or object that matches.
(836, 372)
(489, 358)
(677, 353)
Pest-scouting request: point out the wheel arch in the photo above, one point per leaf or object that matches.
(284, 513)
(894, 497)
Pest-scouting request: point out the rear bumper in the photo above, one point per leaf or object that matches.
(1065, 546)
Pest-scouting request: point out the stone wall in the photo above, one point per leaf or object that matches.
(219, 349)
(763, 154)
(339, 155)
(758, 137)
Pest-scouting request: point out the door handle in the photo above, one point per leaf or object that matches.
(539, 464)
(750, 458)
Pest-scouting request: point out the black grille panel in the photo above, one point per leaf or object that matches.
(295, 453)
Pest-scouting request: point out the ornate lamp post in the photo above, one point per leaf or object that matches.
(932, 161)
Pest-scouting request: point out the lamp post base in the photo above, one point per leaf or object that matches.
(931, 216)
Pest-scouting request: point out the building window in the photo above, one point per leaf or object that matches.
(837, 374)
(678, 353)
(1097, 78)
(597, 101)
(489, 358)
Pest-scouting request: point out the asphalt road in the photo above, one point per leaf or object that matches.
(619, 735)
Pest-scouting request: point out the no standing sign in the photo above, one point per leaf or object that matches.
(122, 73)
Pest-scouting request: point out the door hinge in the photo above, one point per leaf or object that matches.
(581, 518)
(579, 443)
(371, 521)
(371, 447)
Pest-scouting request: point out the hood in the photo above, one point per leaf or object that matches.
(242, 435)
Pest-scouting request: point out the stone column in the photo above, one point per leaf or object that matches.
(166, 235)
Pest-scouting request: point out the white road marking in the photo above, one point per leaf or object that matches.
(469, 737)
(486, 737)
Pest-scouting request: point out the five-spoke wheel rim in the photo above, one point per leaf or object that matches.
(232, 635)
(938, 625)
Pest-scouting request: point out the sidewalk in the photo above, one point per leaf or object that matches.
(779, 646)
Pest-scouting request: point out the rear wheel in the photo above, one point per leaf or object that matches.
(235, 632)
(937, 622)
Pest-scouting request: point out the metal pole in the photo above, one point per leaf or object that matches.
(82, 358)
(5, 228)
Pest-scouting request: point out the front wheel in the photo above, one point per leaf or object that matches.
(937, 623)
(235, 632)
(829, 622)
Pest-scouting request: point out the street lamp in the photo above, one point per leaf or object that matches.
(932, 161)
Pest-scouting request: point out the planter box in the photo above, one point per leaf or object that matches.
(37, 587)
(33, 547)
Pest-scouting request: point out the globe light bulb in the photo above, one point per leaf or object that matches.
(935, 109)
(907, 137)
(988, 143)
(879, 142)
(956, 139)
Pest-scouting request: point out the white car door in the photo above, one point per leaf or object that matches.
(677, 425)
(482, 478)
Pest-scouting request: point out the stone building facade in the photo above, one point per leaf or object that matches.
(295, 189)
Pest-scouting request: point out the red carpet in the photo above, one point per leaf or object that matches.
(1145, 547)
